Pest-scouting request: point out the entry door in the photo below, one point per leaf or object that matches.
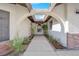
(4, 25)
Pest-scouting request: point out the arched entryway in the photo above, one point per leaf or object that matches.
(57, 17)
(62, 38)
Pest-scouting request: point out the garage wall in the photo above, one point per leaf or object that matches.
(4, 25)
(16, 13)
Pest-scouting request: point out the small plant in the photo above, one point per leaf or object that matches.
(54, 42)
(45, 28)
(28, 40)
(17, 43)
(33, 29)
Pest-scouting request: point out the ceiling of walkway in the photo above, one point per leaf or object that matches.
(40, 6)
(39, 18)
(39, 22)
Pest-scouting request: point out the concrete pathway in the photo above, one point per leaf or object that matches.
(41, 47)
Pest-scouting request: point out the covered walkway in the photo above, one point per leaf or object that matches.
(56, 19)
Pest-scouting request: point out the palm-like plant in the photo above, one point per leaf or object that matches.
(17, 43)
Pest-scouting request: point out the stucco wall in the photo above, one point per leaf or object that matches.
(60, 11)
(60, 36)
(72, 17)
(16, 13)
(68, 13)
(24, 29)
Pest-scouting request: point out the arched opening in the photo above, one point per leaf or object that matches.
(58, 18)
(56, 30)
(62, 38)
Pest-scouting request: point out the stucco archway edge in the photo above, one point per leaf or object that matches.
(57, 17)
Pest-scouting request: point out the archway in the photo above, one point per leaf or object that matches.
(57, 17)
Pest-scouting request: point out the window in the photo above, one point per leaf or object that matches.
(56, 27)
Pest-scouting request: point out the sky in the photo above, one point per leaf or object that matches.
(39, 17)
(40, 5)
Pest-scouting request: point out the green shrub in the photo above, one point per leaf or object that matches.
(51, 38)
(45, 28)
(17, 43)
(26, 41)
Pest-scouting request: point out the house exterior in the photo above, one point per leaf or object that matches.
(14, 21)
(16, 12)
